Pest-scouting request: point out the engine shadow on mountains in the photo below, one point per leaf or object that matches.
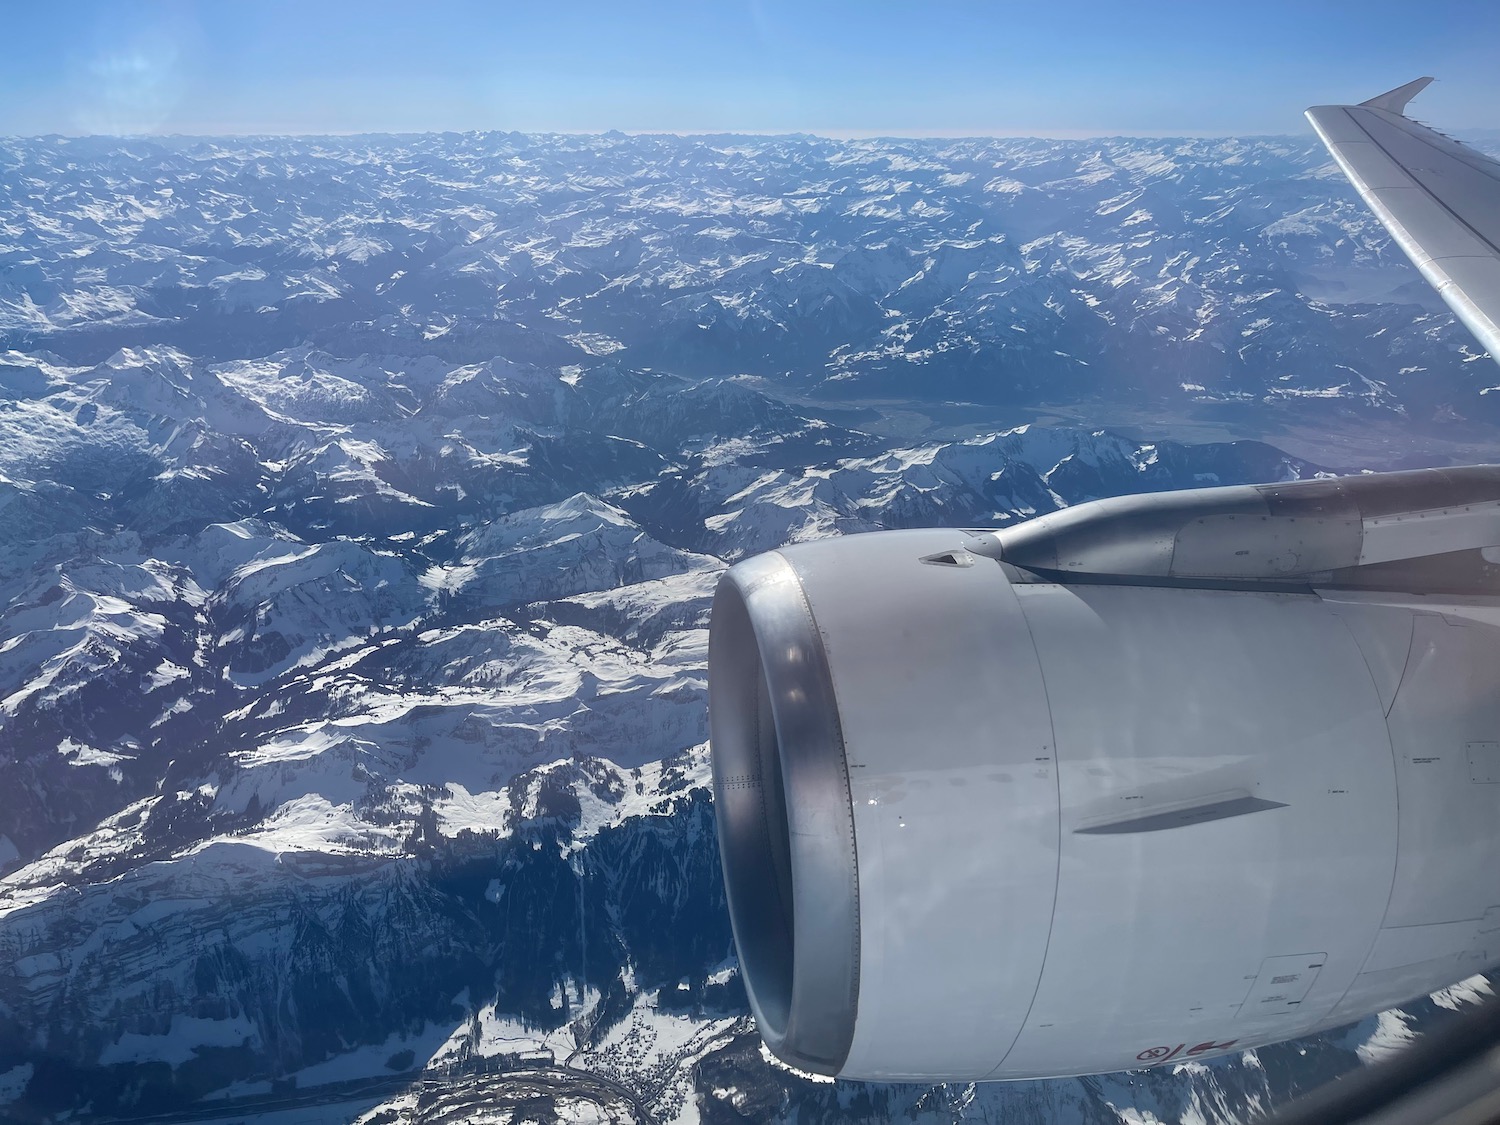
(522, 926)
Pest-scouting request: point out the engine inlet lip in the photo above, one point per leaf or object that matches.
(801, 973)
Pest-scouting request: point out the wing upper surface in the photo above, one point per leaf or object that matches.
(1439, 199)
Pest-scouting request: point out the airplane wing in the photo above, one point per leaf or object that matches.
(1439, 199)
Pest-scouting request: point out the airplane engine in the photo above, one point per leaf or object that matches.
(1146, 780)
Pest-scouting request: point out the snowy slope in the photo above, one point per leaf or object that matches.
(364, 502)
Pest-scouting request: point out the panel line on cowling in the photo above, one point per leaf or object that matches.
(1395, 789)
(1057, 876)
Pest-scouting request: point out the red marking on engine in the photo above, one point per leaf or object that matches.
(1155, 1055)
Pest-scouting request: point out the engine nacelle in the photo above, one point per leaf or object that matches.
(980, 821)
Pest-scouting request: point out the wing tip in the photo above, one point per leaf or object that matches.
(1394, 101)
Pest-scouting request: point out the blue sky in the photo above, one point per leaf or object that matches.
(1043, 67)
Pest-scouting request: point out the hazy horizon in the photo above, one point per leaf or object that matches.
(1303, 135)
(1071, 71)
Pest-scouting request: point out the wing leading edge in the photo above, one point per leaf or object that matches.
(1439, 199)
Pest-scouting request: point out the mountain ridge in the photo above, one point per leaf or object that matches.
(365, 503)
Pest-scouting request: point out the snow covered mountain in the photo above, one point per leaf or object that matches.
(363, 500)
(1200, 273)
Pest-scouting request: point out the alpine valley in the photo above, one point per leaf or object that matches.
(362, 500)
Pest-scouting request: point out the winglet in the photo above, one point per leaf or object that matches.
(1394, 101)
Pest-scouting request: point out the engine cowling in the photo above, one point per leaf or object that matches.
(980, 821)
